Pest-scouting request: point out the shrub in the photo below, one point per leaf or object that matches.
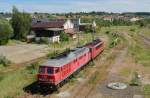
(6, 32)
(64, 37)
(88, 30)
(132, 29)
(32, 67)
(107, 32)
(113, 43)
(4, 61)
(114, 39)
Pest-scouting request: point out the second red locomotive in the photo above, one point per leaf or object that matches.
(54, 71)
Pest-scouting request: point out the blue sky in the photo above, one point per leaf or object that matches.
(53, 6)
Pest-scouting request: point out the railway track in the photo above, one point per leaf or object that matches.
(145, 39)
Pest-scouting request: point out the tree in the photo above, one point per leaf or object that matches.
(144, 22)
(64, 37)
(6, 31)
(88, 29)
(21, 23)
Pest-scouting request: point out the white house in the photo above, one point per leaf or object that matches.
(68, 25)
(134, 19)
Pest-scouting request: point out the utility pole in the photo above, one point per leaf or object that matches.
(94, 31)
(54, 44)
(78, 43)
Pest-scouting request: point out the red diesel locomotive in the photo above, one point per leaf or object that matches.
(54, 71)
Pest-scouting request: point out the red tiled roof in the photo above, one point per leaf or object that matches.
(48, 25)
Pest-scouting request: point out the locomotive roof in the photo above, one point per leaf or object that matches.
(66, 58)
(94, 42)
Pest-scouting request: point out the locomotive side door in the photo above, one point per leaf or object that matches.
(62, 72)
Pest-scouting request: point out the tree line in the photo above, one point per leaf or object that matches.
(20, 24)
(17, 28)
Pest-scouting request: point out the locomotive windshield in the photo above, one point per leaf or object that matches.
(42, 70)
(50, 70)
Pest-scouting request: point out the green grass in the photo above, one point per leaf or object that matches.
(140, 52)
(12, 83)
(145, 31)
(14, 42)
(147, 90)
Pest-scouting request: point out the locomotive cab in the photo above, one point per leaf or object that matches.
(48, 75)
(96, 47)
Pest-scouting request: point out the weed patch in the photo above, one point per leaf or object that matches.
(4, 61)
(114, 39)
(33, 68)
(94, 78)
(135, 80)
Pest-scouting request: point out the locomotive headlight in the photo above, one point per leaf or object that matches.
(40, 79)
(51, 80)
(43, 79)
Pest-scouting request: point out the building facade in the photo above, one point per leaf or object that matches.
(51, 29)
